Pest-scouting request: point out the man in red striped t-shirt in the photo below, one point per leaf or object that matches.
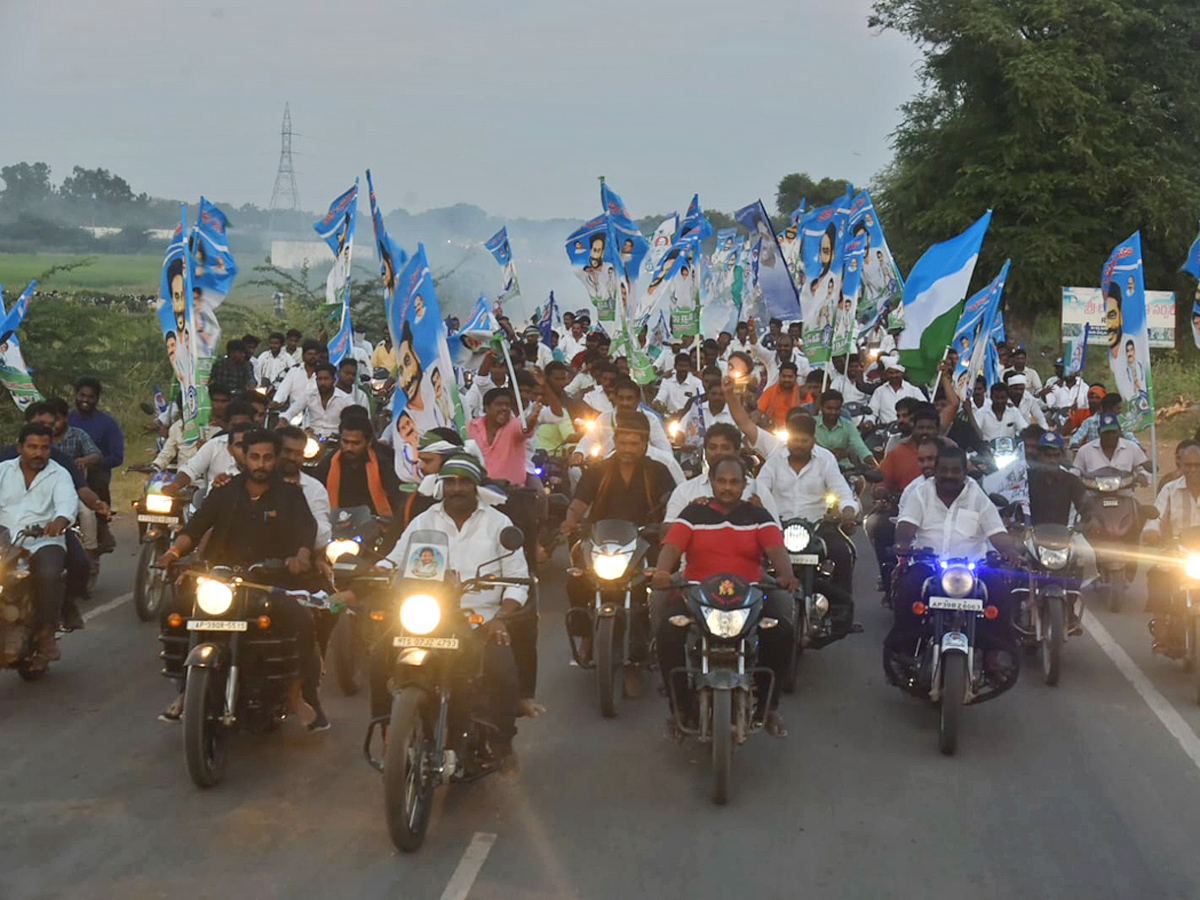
(726, 535)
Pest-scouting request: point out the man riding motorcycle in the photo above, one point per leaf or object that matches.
(952, 515)
(720, 440)
(1178, 505)
(726, 535)
(257, 516)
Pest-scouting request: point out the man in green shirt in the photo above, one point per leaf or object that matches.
(839, 436)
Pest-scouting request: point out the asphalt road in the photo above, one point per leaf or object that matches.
(1088, 790)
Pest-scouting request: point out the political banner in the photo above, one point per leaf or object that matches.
(694, 223)
(822, 235)
(664, 236)
(336, 228)
(1191, 265)
(1084, 305)
(426, 394)
(213, 270)
(501, 251)
(590, 250)
(630, 245)
(392, 257)
(1011, 476)
(176, 316)
(550, 320)
(14, 374)
(842, 342)
(773, 281)
(1123, 288)
(1076, 352)
(789, 245)
(882, 282)
(473, 339)
(977, 321)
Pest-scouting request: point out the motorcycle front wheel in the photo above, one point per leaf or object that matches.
(148, 584)
(608, 665)
(407, 783)
(204, 737)
(722, 744)
(954, 689)
(346, 659)
(1052, 640)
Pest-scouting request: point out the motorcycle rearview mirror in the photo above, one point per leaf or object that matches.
(147, 408)
(512, 538)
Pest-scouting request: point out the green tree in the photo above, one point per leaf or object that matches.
(25, 185)
(97, 186)
(799, 185)
(1076, 122)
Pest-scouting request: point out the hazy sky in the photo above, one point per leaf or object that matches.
(515, 107)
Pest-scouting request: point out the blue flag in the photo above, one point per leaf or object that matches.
(213, 271)
(592, 249)
(1191, 265)
(778, 292)
(14, 374)
(1123, 290)
(694, 223)
(972, 336)
(501, 251)
(632, 246)
(882, 283)
(391, 255)
(426, 393)
(336, 228)
(176, 316)
(550, 320)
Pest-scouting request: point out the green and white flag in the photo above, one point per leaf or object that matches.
(14, 374)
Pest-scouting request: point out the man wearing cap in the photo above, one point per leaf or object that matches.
(1072, 393)
(1053, 491)
(1021, 396)
(1090, 429)
(537, 353)
(883, 401)
(1053, 381)
(999, 419)
(1110, 450)
(474, 532)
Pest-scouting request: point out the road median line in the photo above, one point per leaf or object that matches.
(110, 605)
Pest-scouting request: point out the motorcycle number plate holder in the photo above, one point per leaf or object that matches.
(805, 559)
(954, 640)
(428, 643)
(965, 604)
(151, 519)
(217, 625)
(1110, 501)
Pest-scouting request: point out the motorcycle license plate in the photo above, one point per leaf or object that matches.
(1112, 501)
(805, 559)
(429, 643)
(217, 625)
(965, 604)
(151, 519)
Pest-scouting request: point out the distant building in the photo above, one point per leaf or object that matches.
(294, 254)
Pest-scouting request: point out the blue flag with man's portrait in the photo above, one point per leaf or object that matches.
(632, 245)
(426, 394)
(1123, 290)
(774, 281)
(176, 316)
(882, 281)
(14, 374)
(694, 223)
(336, 229)
(213, 271)
(501, 251)
(391, 255)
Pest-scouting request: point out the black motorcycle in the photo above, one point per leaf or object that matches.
(1176, 633)
(358, 539)
(720, 703)
(1052, 607)
(1113, 521)
(437, 731)
(614, 554)
(160, 518)
(945, 665)
(236, 659)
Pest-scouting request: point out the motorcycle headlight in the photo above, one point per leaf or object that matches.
(1191, 566)
(1108, 483)
(1056, 559)
(335, 550)
(820, 605)
(420, 613)
(377, 384)
(160, 504)
(610, 566)
(781, 434)
(725, 623)
(795, 538)
(957, 581)
(311, 448)
(213, 597)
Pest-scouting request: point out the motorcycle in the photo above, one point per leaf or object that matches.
(236, 661)
(382, 386)
(945, 666)
(160, 518)
(1176, 634)
(18, 640)
(724, 616)
(1052, 606)
(436, 735)
(615, 553)
(317, 449)
(358, 539)
(1113, 520)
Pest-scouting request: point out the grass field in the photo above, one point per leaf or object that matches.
(115, 273)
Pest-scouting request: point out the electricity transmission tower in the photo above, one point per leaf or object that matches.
(284, 197)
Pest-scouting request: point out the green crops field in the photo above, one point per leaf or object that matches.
(115, 273)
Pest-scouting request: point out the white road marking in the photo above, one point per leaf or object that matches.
(111, 604)
(472, 861)
(1159, 705)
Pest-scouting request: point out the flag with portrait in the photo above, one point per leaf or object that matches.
(882, 282)
(336, 229)
(972, 335)
(772, 278)
(14, 374)
(1123, 290)
(501, 250)
(842, 341)
(822, 251)
(213, 271)
(392, 257)
(176, 316)
(1191, 265)
(627, 238)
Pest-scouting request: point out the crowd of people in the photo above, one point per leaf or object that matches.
(778, 438)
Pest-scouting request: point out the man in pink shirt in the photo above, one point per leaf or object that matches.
(501, 436)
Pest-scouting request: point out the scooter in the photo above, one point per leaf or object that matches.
(1113, 521)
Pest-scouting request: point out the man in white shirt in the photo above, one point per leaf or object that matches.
(999, 419)
(601, 397)
(847, 383)
(292, 346)
(574, 343)
(785, 351)
(628, 398)
(705, 410)
(675, 392)
(1178, 505)
(744, 340)
(1070, 393)
(473, 530)
(720, 440)
(36, 491)
(1023, 400)
(536, 353)
(320, 407)
(1110, 451)
(214, 463)
(273, 362)
(291, 459)
(347, 382)
(951, 515)
(883, 401)
(1019, 367)
(300, 378)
